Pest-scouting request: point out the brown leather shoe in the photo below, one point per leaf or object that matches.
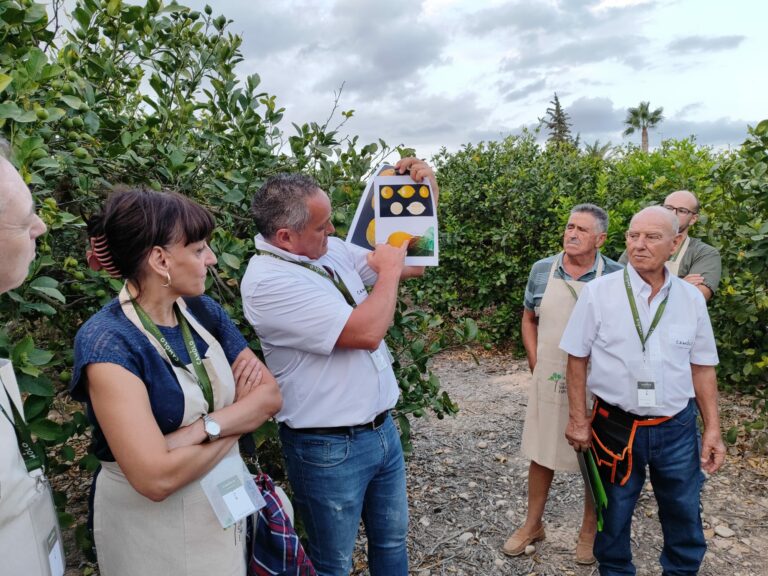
(516, 543)
(584, 553)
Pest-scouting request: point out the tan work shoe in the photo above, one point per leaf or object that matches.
(584, 548)
(516, 543)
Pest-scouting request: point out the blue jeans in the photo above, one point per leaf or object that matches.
(671, 452)
(337, 479)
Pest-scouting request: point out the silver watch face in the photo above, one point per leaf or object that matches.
(212, 427)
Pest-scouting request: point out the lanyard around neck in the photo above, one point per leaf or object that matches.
(340, 286)
(202, 377)
(636, 315)
(30, 452)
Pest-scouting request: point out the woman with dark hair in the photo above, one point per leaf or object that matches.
(170, 385)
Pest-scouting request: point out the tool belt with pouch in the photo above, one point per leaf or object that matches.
(613, 433)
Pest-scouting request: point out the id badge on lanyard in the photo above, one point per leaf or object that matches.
(382, 357)
(648, 386)
(231, 491)
(46, 527)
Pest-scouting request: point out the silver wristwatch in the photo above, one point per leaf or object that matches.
(212, 428)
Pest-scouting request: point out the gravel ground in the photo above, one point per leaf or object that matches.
(467, 489)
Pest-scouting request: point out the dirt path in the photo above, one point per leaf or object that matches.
(467, 486)
(467, 489)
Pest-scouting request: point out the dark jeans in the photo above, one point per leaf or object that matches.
(337, 479)
(671, 453)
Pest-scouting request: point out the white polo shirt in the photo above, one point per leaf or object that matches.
(601, 326)
(298, 315)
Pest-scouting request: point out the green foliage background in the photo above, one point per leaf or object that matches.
(148, 94)
(504, 205)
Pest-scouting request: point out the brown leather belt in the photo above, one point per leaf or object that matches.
(345, 430)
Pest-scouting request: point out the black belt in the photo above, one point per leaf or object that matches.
(626, 418)
(345, 430)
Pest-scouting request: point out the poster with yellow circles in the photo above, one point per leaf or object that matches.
(396, 210)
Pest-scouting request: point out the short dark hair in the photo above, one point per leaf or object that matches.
(134, 220)
(281, 203)
(600, 215)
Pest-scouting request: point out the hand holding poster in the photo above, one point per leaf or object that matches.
(394, 209)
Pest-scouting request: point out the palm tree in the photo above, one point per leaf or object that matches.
(641, 118)
(597, 150)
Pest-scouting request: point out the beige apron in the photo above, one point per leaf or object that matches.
(547, 414)
(30, 540)
(181, 535)
(673, 264)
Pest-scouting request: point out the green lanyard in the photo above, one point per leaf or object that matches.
(30, 452)
(636, 316)
(189, 343)
(340, 286)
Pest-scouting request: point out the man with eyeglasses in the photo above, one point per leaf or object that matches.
(694, 261)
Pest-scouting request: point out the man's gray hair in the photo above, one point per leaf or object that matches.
(282, 203)
(600, 215)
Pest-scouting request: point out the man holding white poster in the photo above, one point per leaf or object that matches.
(322, 334)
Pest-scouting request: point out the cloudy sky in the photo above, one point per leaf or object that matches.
(433, 73)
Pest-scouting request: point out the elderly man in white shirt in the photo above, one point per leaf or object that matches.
(30, 539)
(322, 334)
(653, 357)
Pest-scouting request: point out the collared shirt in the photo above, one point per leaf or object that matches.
(299, 314)
(601, 327)
(539, 277)
(699, 258)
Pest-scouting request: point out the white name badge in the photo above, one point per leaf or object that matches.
(46, 526)
(646, 393)
(55, 557)
(381, 357)
(647, 385)
(231, 491)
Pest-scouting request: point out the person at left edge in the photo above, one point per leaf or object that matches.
(322, 335)
(161, 419)
(27, 516)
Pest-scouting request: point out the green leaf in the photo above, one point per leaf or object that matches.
(233, 196)
(231, 260)
(4, 81)
(38, 357)
(44, 282)
(35, 406)
(38, 386)
(72, 101)
(48, 430)
(51, 293)
(113, 7)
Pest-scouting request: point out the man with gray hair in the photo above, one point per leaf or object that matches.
(553, 288)
(322, 334)
(648, 337)
(30, 540)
